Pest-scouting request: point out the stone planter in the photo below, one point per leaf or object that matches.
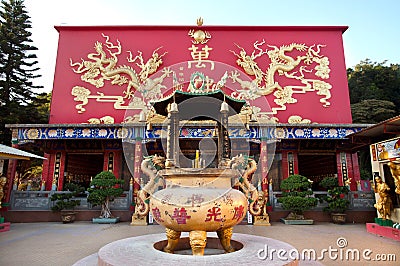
(105, 220)
(338, 218)
(301, 221)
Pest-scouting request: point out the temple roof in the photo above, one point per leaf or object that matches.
(7, 152)
(199, 106)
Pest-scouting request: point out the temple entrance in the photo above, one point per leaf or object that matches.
(198, 153)
(80, 168)
(316, 166)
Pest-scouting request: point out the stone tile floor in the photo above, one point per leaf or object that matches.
(41, 244)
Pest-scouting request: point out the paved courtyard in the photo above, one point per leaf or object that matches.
(41, 244)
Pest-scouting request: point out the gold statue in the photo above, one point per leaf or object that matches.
(384, 203)
(383, 154)
(3, 181)
(395, 170)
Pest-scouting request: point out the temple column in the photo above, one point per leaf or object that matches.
(341, 160)
(348, 170)
(356, 172)
(46, 180)
(264, 164)
(224, 149)
(173, 137)
(136, 166)
(56, 172)
(12, 179)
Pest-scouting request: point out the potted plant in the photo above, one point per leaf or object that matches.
(65, 202)
(336, 199)
(297, 198)
(104, 188)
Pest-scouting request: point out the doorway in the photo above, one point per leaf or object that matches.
(80, 168)
(316, 167)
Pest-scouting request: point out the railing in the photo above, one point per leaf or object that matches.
(40, 200)
(359, 200)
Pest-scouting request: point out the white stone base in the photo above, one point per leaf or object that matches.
(141, 251)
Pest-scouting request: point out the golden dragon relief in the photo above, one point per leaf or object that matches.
(283, 64)
(103, 66)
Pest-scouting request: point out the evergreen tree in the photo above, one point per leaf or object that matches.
(372, 111)
(38, 110)
(374, 91)
(17, 65)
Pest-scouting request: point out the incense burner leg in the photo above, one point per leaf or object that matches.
(198, 242)
(173, 239)
(225, 236)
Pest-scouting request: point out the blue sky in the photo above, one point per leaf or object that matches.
(373, 24)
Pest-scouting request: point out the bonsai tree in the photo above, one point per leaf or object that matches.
(103, 189)
(337, 195)
(65, 200)
(297, 196)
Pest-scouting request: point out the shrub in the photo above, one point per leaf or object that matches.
(64, 200)
(337, 195)
(103, 189)
(296, 195)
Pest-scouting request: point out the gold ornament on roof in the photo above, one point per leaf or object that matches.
(311, 74)
(199, 21)
(102, 66)
(296, 119)
(103, 120)
(199, 36)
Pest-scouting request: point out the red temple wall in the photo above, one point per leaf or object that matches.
(77, 43)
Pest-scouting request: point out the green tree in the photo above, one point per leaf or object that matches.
(337, 195)
(38, 110)
(376, 85)
(104, 188)
(17, 65)
(297, 196)
(372, 111)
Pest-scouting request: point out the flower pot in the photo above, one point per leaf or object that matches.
(338, 218)
(68, 216)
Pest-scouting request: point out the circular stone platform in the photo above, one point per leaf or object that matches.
(142, 250)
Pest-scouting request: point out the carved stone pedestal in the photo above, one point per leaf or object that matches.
(138, 220)
(262, 220)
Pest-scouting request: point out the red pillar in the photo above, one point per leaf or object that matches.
(355, 171)
(136, 167)
(342, 167)
(112, 159)
(61, 171)
(105, 161)
(264, 165)
(47, 165)
(137, 162)
(285, 166)
(117, 163)
(58, 175)
(11, 178)
(295, 163)
(289, 164)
